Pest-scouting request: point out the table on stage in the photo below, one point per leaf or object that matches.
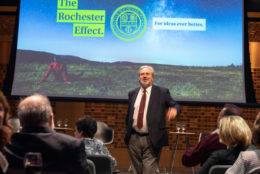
(175, 145)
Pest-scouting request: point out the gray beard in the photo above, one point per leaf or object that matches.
(144, 85)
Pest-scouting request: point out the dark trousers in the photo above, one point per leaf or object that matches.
(144, 158)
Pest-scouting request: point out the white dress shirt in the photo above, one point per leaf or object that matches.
(144, 129)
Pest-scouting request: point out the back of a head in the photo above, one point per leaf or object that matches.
(231, 109)
(234, 131)
(87, 125)
(34, 111)
(256, 130)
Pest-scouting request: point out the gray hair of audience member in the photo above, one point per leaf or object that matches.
(146, 66)
(229, 110)
(34, 110)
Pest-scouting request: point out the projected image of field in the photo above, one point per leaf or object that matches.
(89, 79)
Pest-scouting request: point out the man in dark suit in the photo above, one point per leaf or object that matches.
(146, 132)
(60, 152)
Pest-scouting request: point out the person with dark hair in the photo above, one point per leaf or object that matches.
(60, 152)
(248, 162)
(210, 143)
(58, 69)
(236, 135)
(86, 128)
(149, 107)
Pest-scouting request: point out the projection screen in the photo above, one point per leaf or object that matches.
(94, 48)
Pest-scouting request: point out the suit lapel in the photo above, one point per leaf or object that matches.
(134, 97)
(153, 100)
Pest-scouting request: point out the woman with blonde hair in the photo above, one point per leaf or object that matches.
(249, 162)
(236, 135)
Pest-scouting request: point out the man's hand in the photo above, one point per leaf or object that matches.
(171, 114)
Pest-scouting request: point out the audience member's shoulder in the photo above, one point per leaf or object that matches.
(222, 153)
(249, 154)
(209, 138)
(67, 138)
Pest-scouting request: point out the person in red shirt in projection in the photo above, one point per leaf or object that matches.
(58, 69)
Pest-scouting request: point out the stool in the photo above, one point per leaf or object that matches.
(186, 134)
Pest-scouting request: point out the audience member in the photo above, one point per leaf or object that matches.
(4, 111)
(86, 128)
(236, 135)
(249, 161)
(15, 123)
(60, 152)
(4, 139)
(201, 152)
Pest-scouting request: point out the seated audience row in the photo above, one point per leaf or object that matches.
(248, 162)
(202, 151)
(236, 135)
(229, 144)
(60, 152)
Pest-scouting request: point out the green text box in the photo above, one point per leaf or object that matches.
(68, 4)
(89, 30)
(81, 16)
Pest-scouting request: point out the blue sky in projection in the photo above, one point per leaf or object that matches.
(221, 43)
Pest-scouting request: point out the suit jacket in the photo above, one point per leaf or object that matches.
(220, 157)
(60, 152)
(160, 100)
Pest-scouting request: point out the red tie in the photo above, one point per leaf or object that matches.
(141, 111)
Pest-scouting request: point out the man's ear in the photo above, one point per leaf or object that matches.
(51, 121)
(81, 133)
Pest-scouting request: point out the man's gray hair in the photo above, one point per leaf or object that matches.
(34, 112)
(146, 66)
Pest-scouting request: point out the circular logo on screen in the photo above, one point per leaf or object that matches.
(128, 22)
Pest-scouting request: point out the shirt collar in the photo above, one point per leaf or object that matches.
(148, 90)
